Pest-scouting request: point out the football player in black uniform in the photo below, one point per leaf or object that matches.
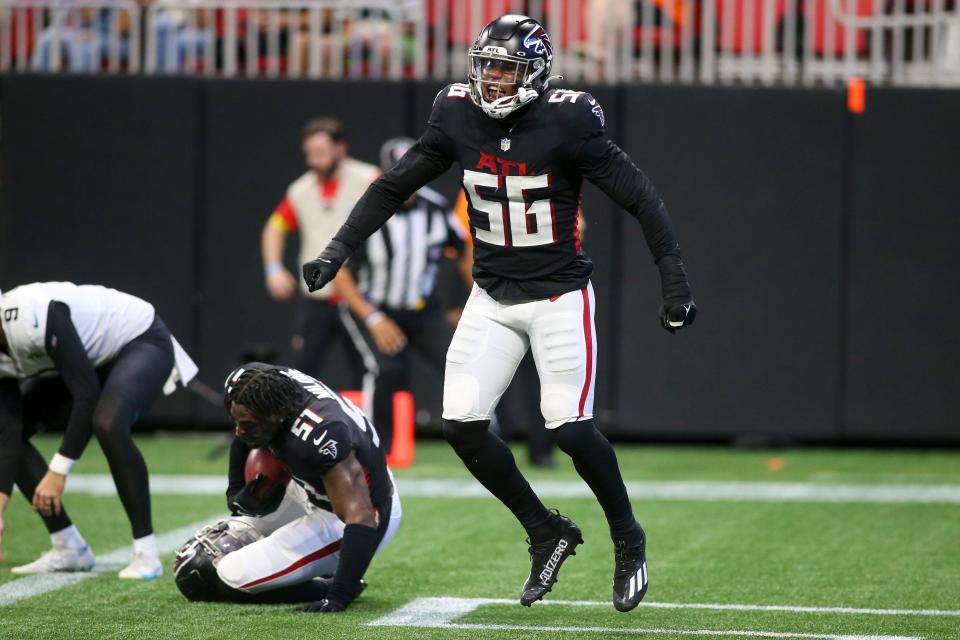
(339, 509)
(524, 151)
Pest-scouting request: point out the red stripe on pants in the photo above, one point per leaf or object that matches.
(588, 336)
(333, 547)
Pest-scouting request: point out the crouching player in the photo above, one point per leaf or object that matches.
(340, 508)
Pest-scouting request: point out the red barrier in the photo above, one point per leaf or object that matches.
(404, 418)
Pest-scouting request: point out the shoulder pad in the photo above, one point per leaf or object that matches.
(577, 107)
(319, 438)
(450, 97)
(456, 90)
(23, 323)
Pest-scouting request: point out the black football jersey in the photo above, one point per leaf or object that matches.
(324, 433)
(522, 176)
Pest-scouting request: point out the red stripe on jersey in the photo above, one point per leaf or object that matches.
(505, 209)
(331, 548)
(576, 226)
(588, 337)
(553, 212)
(366, 476)
(287, 214)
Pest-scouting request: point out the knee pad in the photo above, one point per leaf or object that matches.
(461, 397)
(559, 404)
(230, 570)
(465, 436)
(577, 437)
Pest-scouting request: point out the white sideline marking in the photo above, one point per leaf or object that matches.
(763, 607)
(110, 562)
(440, 613)
(102, 484)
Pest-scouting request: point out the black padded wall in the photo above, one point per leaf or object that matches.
(903, 376)
(819, 244)
(100, 181)
(753, 181)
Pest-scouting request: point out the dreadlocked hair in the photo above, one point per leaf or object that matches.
(267, 393)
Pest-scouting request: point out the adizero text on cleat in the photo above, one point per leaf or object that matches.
(546, 558)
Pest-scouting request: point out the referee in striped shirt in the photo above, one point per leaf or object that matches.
(388, 286)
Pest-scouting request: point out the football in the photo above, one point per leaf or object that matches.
(274, 471)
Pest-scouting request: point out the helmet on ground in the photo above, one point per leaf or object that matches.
(195, 567)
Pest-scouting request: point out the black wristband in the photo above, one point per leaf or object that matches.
(673, 278)
(356, 551)
(349, 238)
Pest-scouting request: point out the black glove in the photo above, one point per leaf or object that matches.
(322, 269)
(256, 500)
(323, 606)
(678, 309)
(676, 315)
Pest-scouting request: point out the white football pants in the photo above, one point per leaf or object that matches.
(301, 541)
(491, 339)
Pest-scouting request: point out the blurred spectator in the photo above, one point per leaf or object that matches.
(178, 36)
(82, 38)
(315, 205)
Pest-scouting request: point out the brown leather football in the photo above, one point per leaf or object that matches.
(274, 471)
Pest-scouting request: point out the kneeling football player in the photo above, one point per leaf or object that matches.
(338, 510)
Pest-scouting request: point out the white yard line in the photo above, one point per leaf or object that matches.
(102, 484)
(765, 607)
(110, 562)
(712, 633)
(440, 613)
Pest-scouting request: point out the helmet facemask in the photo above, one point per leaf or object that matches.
(500, 84)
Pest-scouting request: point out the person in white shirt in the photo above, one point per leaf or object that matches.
(314, 207)
(98, 358)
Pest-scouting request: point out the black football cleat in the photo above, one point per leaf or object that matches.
(630, 573)
(546, 558)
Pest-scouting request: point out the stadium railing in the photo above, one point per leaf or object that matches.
(768, 42)
(65, 35)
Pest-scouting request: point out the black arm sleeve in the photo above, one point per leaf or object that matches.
(357, 548)
(426, 160)
(11, 429)
(610, 168)
(70, 357)
(238, 460)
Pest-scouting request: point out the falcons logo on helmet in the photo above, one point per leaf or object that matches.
(537, 40)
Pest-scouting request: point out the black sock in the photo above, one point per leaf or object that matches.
(490, 461)
(596, 463)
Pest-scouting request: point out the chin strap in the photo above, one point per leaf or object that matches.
(502, 107)
(546, 83)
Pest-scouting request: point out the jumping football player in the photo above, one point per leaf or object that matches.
(339, 510)
(96, 359)
(524, 151)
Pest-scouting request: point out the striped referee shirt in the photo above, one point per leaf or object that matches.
(397, 266)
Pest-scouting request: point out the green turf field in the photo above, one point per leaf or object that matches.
(790, 568)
